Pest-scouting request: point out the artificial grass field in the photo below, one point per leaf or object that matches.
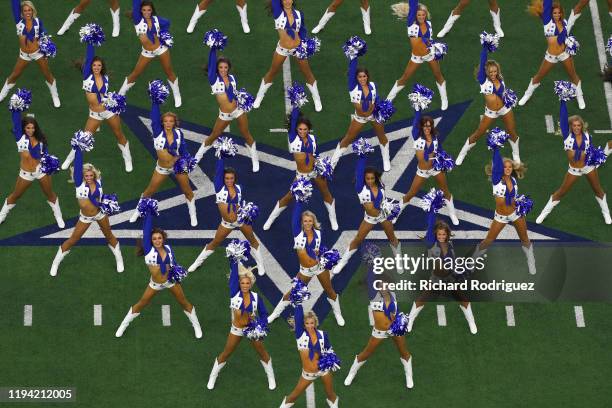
(545, 361)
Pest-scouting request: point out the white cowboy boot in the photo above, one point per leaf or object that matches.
(316, 98)
(69, 159)
(333, 404)
(6, 208)
(118, 257)
(256, 253)
(285, 404)
(497, 22)
(324, 20)
(530, 89)
(530, 258)
(202, 151)
(69, 21)
(54, 95)
(5, 90)
(57, 212)
(397, 252)
(194, 19)
(451, 211)
(244, 20)
(572, 20)
(443, 96)
(337, 155)
(125, 87)
(353, 371)
(402, 206)
(343, 261)
(580, 96)
(193, 215)
(193, 318)
(214, 373)
(273, 216)
(449, 24)
(547, 209)
(200, 259)
(464, 151)
(365, 14)
(269, 373)
(116, 21)
(254, 156)
(516, 156)
(469, 316)
(263, 88)
(386, 156)
(414, 312)
(129, 317)
(394, 91)
(59, 257)
(408, 371)
(603, 203)
(335, 304)
(127, 156)
(280, 307)
(176, 92)
(331, 211)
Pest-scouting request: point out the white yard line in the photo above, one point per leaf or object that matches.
(601, 53)
(27, 315)
(166, 315)
(287, 83)
(510, 316)
(550, 124)
(603, 131)
(441, 315)
(279, 130)
(310, 390)
(97, 315)
(579, 316)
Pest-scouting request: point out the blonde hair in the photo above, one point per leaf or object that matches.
(173, 115)
(315, 223)
(244, 272)
(488, 64)
(90, 167)
(311, 315)
(536, 8)
(30, 5)
(401, 10)
(578, 118)
(519, 169)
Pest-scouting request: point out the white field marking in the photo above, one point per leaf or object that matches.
(279, 130)
(510, 316)
(579, 316)
(27, 315)
(441, 315)
(97, 315)
(310, 390)
(287, 83)
(550, 124)
(601, 53)
(166, 315)
(603, 131)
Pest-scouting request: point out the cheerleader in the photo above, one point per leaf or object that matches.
(457, 11)
(377, 208)
(245, 306)
(35, 161)
(171, 148)
(433, 161)
(364, 97)
(292, 41)
(233, 103)
(202, 7)
(499, 100)
(561, 48)
(166, 273)
(578, 144)
(510, 207)
(152, 30)
(315, 351)
(93, 203)
(424, 47)
(303, 145)
(98, 96)
(313, 260)
(78, 10)
(331, 10)
(235, 212)
(34, 45)
(440, 246)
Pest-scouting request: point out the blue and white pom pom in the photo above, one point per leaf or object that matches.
(489, 41)
(147, 206)
(361, 147)
(432, 201)
(383, 111)
(215, 39)
(399, 327)
(509, 97)
(46, 46)
(609, 46)
(49, 164)
(244, 100)
(83, 140)
(329, 361)
(297, 95)
(20, 100)
(307, 48)
(329, 258)
(257, 329)
(92, 34)
(390, 208)
(565, 90)
(420, 98)
(115, 103)
(185, 164)
(443, 161)
(177, 274)
(299, 292)
(595, 156)
(496, 138)
(109, 204)
(301, 189)
(158, 91)
(355, 47)
(524, 204)
(369, 252)
(247, 213)
(238, 250)
(165, 38)
(324, 168)
(225, 147)
(439, 49)
(571, 45)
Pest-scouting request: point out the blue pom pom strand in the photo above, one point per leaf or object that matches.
(185, 164)
(225, 147)
(238, 250)
(355, 47)
(383, 111)
(299, 292)
(147, 206)
(524, 204)
(92, 34)
(109, 204)
(215, 39)
(297, 95)
(329, 361)
(609, 46)
(115, 103)
(301, 189)
(496, 138)
(247, 213)
(390, 208)
(421, 97)
(165, 38)
(324, 168)
(509, 97)
(361, 147)
(439, 50)
(432, 201)
(49, 164)
(46, 46)
(177, 274)
(158, 91)
(257, 329)
(595, 156)
(20, 100)
(489, 41)
(82, 140)
(244, 100)
(571, 45)
(307, 48)
(399, 326)
(443, 161)
(329, 259)
(565, 90)
(369, 252)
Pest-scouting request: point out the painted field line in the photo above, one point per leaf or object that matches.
(310, 396)
(510, 316)
(287, 83)
(166, 315)
(279, 130)
(550, 124)
(579, 316)
(602, 131)
(601, 53)
(441, 315)
(27, 315)
(97, 315)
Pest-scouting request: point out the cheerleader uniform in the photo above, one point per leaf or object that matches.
(35, 33)
(255, 309)
(37, 153)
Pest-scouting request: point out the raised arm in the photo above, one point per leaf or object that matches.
(212, 65)
(547, 11)
(352, 68)
(430, 238)
(234, 282)
(296, 219)
(295, 113)
(78, 167)
(497, 169)
(146, 233)
(416, 124)
(16, 116)
(411, 17)
(277, 8)
(219, 174)
(136, 15)
(359, 173)
(89, 56)
(16, 6)
(298, 320)
(482, 76)
(564, 120)
(155, 116)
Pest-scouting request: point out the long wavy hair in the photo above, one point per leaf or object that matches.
(377, 175)
(488, 64)
(38, 133)
(536, 8)
(268, 6)
(140, 245)
(221, 60)
(423, 121)
(401, 10)
(315, 222)
(30, 5)
(518, 169)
